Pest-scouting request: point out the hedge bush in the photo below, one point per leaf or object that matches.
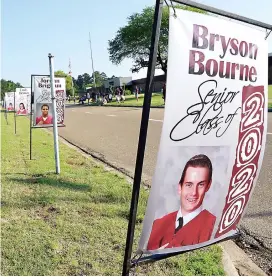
(128, 92)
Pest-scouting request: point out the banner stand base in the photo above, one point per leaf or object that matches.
(158, 257)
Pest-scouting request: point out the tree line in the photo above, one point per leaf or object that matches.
(80, 83)
(83, 81)
(7, 86)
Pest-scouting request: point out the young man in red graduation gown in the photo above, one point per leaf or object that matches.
(45, 118)
(191, 224)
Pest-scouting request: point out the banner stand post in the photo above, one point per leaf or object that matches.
(15, 127)
(30, 123)
(55, 121)
(6, 116)
(30, 132)
(142, 135)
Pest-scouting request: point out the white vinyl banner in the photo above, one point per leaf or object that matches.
(43, 106)
(213, 134)
(9, 101)
(22, 101)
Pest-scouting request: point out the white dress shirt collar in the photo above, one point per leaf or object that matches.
(187, 217)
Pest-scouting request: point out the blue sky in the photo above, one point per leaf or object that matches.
(33, 28)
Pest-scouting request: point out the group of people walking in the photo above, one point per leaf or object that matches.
(118, 92)
(120, 95)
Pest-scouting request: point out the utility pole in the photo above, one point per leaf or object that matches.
(70, 73)
(92, 60)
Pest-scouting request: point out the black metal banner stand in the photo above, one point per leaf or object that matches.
(15, 127)
(146, 110)
(143, 134)
(30, 119)
(6, 115)
(30, 132)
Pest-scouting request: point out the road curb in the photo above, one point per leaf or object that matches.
(228, 265)
(242, 263)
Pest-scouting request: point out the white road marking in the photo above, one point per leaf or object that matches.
(88, 112)
(111, 114)
(156, 120)
(73, 110)
(269, 133)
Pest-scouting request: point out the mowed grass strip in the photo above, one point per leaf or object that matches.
(156, 101)
(74, 223)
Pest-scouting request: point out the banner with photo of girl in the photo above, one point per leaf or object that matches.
(9, 101)
(43, 106)
(23, 101)
(213, 135)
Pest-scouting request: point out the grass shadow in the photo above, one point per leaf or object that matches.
(57, 183)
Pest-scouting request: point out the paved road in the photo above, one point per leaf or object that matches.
(112, 134)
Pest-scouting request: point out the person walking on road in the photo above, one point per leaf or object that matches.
(118, 94)
(137, 93)
(122, 95)
(164, 92)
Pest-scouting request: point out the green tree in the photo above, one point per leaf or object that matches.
(76, 89)
(80, 82)
(133, 40)
(68, 80)
(7, 86)
(86, 79)
(99, 78)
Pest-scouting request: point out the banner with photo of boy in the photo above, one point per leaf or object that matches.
(9, 101)
(43, 106)
(213, 134)
(23, 101)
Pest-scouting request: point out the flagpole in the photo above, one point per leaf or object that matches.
(92, 59)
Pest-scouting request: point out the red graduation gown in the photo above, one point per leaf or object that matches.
(198, 230)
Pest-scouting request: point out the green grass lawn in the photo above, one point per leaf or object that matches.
(74, 223)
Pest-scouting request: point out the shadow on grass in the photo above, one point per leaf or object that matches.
(94, 195)
(18, 173)
(124, 214)
(58, 183)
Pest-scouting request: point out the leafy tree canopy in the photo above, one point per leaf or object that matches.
(68, 81)
(99, 78)
(7, 86)
(133, 40)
